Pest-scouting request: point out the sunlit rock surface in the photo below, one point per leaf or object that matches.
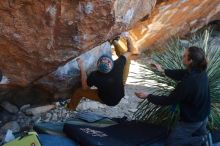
(174, 17)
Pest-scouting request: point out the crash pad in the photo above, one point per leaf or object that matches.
(52, 140)
(130, 133)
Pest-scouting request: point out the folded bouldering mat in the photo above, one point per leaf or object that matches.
(90, 116)
(52, 140)
(133, 133)
(49, 128)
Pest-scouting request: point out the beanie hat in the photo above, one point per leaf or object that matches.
(105, 64)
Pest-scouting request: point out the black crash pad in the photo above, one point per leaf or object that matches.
(131, 133)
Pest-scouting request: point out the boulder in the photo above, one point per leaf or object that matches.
(9, 107)
(36, 37)
(174, 18)
(39, 110)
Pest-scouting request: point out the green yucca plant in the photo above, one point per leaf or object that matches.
(159, 84)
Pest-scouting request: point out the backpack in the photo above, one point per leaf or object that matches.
(26, 139)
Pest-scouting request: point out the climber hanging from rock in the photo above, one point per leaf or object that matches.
(109, 78)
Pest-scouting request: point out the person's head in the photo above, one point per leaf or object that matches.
(194, 58)
(105, 64)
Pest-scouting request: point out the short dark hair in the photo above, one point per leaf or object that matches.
(197, 55)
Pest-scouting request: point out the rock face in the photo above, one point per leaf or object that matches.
(38, 36)
(174, 17)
